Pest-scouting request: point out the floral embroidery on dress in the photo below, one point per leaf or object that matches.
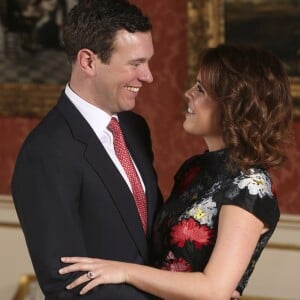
(189, 230)
(188, 178)
(176, 264)
(186, 228)
(203, 212)
(257, 183)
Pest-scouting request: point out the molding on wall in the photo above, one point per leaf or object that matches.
(9, 225)
(285, 247)
(279, 241)
(8, 216)
(287, 234)
(289, 219)
(28, 283)
(5, 198)
(259, 298)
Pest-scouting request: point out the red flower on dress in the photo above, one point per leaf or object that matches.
(176, 264)
(188, 178)
(190, 230)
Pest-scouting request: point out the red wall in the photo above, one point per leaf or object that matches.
(161, 103)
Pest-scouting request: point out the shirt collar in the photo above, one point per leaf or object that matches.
(96, 117)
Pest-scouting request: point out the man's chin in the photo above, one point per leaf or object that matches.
(129, 104)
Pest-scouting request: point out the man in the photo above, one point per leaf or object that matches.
(72, 193)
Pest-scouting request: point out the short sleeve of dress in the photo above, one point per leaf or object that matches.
(254, 193)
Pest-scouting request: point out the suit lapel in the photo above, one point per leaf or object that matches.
(100, 161)
(119, 191)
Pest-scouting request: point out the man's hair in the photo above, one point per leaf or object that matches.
(252, 88)
(93, 24)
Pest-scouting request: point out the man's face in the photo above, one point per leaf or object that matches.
(117, 83)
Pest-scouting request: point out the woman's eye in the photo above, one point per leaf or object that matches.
(199, 88)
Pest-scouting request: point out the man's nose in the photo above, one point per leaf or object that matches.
(146, 74)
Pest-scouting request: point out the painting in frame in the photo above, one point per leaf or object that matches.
(260, 22)
(33, 65)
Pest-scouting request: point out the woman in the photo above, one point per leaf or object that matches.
(222, 209)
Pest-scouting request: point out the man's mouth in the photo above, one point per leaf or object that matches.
(132, 89)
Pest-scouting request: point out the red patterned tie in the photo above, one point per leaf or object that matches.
(128, 166)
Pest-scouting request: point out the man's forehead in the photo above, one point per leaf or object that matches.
(138, 45)
(125, 37)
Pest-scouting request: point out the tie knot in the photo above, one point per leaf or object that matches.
(114, 126)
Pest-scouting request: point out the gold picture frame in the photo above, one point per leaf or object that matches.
(206, 28)
(28, 99)
(32, 64)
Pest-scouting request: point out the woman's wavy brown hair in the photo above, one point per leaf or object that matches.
(253, 90)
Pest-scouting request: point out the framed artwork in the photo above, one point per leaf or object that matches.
(33, 67)
(260, 22)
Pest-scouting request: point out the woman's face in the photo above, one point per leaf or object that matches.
(203, 116)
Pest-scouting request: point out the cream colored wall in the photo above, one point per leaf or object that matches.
(277, 272)
(276, 275)
(14, 258)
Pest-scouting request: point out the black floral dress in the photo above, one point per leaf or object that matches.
(185, 229)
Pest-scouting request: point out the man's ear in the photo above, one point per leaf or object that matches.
(87, 61)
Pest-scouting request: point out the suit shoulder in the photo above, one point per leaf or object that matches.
(132, 117)
(49, 131)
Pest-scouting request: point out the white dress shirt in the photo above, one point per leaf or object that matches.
(98, 120)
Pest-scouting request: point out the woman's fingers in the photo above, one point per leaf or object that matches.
(102, 277)
(93, 283)
(97, 271)
(78, 264)
(93, 279)
(76, 259)
(75, 267)
(80, 280)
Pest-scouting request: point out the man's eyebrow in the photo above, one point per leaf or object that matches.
(138, 60)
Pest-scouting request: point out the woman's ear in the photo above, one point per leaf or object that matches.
(86, 60)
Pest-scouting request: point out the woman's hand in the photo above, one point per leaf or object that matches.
(99, 271)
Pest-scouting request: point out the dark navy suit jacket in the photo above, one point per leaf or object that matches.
(72, 201)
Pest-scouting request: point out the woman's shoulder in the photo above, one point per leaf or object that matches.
(255, 181)
(254, 191)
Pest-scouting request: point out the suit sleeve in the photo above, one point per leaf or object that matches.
(46, 190)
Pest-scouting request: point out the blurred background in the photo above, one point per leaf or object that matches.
(33, 71)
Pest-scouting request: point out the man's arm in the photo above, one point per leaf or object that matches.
(46, 191)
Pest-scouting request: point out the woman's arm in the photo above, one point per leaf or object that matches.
(238, 234)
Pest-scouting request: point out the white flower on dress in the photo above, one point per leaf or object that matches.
(257, 183)
(203, 212)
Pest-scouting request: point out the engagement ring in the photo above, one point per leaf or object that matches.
(90, 275)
